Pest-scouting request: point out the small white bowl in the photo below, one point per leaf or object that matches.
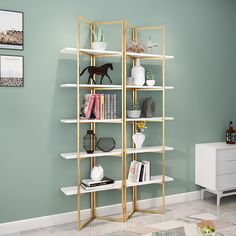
(133, 113)
(150, 82)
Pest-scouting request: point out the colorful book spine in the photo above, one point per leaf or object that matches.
(90, 107)
(132, 171)
(114, 106)
(108, 106)
(97, 107)
(105, 106)
(102, 106)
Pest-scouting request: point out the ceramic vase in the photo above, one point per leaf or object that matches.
(138, 74)
(97, 173)
(138, 139)
(100, 46)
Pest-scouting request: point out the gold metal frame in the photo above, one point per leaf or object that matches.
(134, 94)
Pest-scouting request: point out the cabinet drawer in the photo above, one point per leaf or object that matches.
(226, 161)
(226, 181)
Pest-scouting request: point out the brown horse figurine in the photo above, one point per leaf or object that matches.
(101, 70)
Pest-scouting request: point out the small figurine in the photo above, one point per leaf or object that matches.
(150, 45)
(101, 70)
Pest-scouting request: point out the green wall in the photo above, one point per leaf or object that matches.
(200, 34)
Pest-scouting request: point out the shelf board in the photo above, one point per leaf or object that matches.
(83, 121)
(90, 52)
(114, 87)
(149, 87)
(118, 152)
(95, 86)
(153, 119)
(148, 56)
(68, 191)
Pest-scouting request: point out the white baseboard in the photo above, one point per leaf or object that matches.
(46, 221)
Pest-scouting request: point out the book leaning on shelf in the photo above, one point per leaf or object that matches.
(139, 171)
(99, 106)
(89, 184)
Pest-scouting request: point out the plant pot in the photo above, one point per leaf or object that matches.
(97, 173)
(150, 82)
(138, 139)
(133, 113)
(100, 46)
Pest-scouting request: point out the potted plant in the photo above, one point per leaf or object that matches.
(150, 79)
(139, 136)
(206, 228)
(134, 111)
(99, 40)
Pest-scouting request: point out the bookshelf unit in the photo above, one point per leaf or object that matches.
(123, 183)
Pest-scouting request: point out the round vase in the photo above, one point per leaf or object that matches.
(138, 139)
(138, 74)
(97, 173)
(100, 46)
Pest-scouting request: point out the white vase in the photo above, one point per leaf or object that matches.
(138, 139)
(97, 173)
(138, 74)
(100, 46)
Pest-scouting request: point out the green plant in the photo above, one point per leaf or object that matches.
(134, 107)
(98, 35)
(150, 75)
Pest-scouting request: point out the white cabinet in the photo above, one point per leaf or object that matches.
(215, 168)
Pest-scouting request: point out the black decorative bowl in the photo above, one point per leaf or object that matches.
(106, 144)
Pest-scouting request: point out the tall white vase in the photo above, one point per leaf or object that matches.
(138, 74)
(138, 139)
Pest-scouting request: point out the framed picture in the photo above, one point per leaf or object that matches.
(11, 71)
(11, 29)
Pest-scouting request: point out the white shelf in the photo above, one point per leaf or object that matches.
(68, 191)
(105, 86)
(117, 87)
(148, 149)
(74, 121)
(73, 51)
(157, 119)
(149, 87)
(145, 55)
(91, 52)
(73, 155)
(83, 121)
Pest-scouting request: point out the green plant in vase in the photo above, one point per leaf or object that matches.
(99, 39)
(150, 78)
(134, 111)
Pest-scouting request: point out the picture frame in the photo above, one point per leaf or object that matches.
(11, 30)
(11, 71)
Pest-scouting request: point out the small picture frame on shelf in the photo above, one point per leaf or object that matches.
(11, 71)
(11, 30)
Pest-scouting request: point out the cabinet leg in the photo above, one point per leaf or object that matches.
(202, 193)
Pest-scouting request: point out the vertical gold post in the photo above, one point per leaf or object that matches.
(78, 121)
(163, 115)
(93, 125)
(124, 210)
(134, 100)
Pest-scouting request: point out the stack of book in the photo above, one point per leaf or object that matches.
(139, 171)
(99, 106)
(89, 184)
